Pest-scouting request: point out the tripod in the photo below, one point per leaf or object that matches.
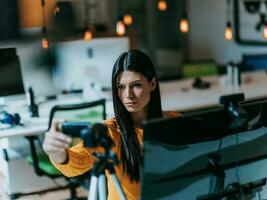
(96, 136)
(98, 179)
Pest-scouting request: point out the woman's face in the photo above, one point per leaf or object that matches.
(134, 90)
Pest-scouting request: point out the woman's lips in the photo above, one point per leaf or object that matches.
(131, 103)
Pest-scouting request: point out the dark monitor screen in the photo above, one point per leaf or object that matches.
(254, 62)
(177, 150)
(11, 82)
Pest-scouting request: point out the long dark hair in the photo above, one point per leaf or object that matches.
(138, 61)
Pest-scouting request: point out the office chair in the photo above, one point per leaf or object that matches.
(91, 111)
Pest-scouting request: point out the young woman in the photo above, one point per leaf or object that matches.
(136, 98)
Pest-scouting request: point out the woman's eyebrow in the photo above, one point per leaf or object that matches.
(133, 82)
(136, 81)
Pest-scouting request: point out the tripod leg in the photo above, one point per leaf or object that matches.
(102, 187)
(93, 188)
(118, 186)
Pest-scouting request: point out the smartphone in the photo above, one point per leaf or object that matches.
(74, 129)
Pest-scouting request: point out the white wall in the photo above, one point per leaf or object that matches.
(207, 20)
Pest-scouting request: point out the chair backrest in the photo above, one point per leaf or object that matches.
(94, 111)
(90, 111)
(199, 68)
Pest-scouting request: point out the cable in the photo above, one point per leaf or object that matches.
(220, 146)
(236, 169)
(43, 12)
(211, 183)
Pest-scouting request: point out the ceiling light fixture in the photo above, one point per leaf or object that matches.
(88, 34)
(127, 19)
(120, 27)
(228, 31)
(184, 26)
(44, 42)
(162, 5)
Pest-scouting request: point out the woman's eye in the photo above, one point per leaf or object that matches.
(137, 85)
(120, 87)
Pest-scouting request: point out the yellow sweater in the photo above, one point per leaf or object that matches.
(80, 160)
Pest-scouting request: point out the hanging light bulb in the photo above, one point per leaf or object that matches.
(120, 27)
(228, 32)
(88, 35)
(265, 31)
(127, 19)
(162, 5)
(45, 43)
(184, 27)
(88, 27)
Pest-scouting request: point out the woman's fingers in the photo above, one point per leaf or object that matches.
(53, 150)
(57, 143)
(58, 136)
(54, 125)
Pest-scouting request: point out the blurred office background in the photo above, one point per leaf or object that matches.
(152, 28)
(63, 44)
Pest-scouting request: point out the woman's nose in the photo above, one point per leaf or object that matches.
(129, 93)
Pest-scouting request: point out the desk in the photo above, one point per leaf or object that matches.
(38, 125)
(176, 95)
(180, 96)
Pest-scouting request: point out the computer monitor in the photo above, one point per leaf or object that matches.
(177, 152)
(254, 62)
(80, 60)
(11, 81)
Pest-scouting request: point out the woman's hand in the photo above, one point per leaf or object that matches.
(56, 143)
